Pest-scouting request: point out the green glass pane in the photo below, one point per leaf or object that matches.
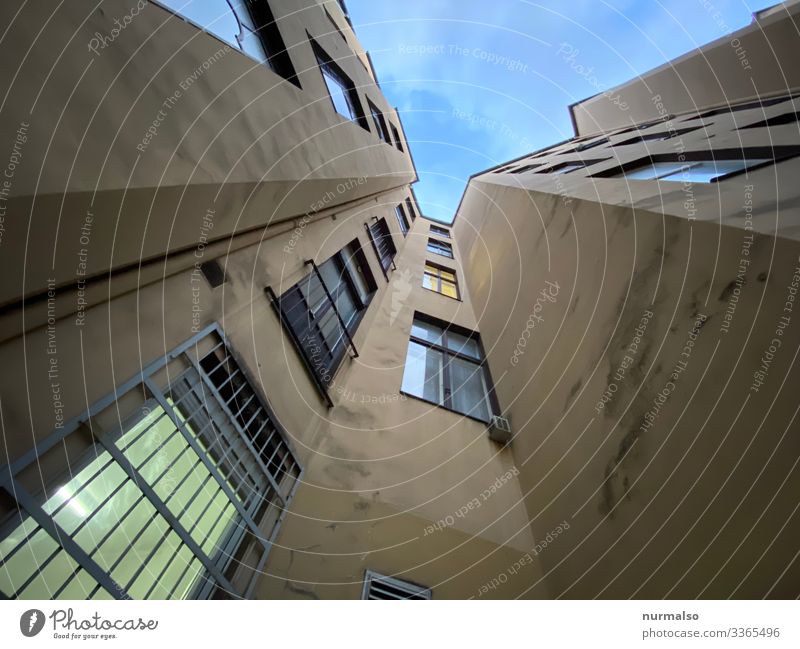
(25, 561)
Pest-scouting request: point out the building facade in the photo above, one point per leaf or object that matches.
(240, 362)
(637, 284)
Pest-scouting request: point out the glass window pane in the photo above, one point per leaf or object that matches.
(469, 395)
(426, 331)
(429, 282)
(422, 376)
(463, 345)
(252, 45)
(215, 16)
(704, 172)
(338, 94)
(449, 289)
(652, 171)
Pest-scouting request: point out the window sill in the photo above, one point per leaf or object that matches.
(439, 405)
(449, 297)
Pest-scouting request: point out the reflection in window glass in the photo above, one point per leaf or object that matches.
(447, 368)
(423, 373)
(110, 518)
(338, 94)
(470, 395)
(701, 171)
(215, 16)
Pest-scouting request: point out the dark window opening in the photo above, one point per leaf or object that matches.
(700, 166)
(266, 28)
(324, 309)
(778, 120)
(411, 209)
(379, 587)
(658, 137)
(745, 106)
(569, 167)
(397, 142)
(213, 272)
(401, 219)
(383, 244)
(379, 121)
(335, 24)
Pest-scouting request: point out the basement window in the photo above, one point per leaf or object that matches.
(174, 499)
(341, 89)
(445, 366)
(377, 586)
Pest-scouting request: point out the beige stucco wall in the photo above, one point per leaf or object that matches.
(701, 503)
(757, 60)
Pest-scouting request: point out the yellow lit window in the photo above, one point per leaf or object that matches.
(440, 280)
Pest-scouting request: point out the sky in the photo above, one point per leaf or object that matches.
(480, 82)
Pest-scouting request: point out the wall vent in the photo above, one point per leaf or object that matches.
(377, 586)
(500, 429)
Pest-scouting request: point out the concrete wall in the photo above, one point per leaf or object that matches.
(232, 136)
(691, 493)
(757, 60)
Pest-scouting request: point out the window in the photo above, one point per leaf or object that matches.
(268, 35)
(341, 89)
(401, 219)
(568, 167)
(180, 498)
(659, 137)
(323, 310)
(703, 171)
(778, 120)
(411, 209)
(442, 232)
(247, 25)
(334, 23)
(397, 142)
(591, 145)
(379, 121)
(524, 168)
(744, 106)
(440, 248)
(378, 586)
(440, 279)
(445, 366)
(383, 244)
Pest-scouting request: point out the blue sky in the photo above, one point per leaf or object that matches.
(478, 82)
